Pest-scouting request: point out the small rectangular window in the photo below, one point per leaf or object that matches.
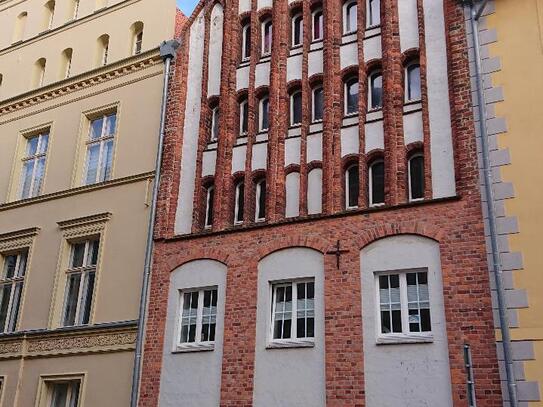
(293, 310)
(11, 289)
(34, 165)
(100, 145)
(198, 317)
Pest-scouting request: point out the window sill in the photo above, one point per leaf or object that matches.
(195, 347)
(289, 344)
(398, 339)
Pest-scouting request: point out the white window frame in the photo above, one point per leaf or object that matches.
(346, 95)
(214, 135)
(266, 52)
(296, 92)
(321, 38)
(237, 202)
(102, 141)
(243, 109)
(411, 199)
(293, 340)
(208, 223)
(261, 127)
(293, 29)
(313, 91)
(347, 170)
(258, 195)
(245, 29)
(370, 184)
(36, 157)
(198, 344)
(369, 20)
(405, 336)
(18, 279)
(138, 42)
(346, 29)
(408, 84)
(370, 91)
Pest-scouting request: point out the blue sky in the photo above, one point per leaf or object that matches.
(187, 6)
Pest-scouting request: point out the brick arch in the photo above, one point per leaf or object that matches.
(319, 245)
(409, 228)
(178, 260)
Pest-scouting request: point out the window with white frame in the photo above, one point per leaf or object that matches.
(11, 289)
(350, 18)
(404, 303)
(137, 37)
(75, 8)
(351, 96)
(263, 113)
(80, 278)
(215, 116)
(103, 50)
(246, 42)
(416, 177)
(296, 108)
(377, 183)
(260, 201)
(373, 13)
(210, 198)
(293, 311)
(197, 317)
(412, 82)
(100, 148)
(352, 187)
(267, 28)
(375, 91)
(239, 203)
(317, 103)
(34, 164)
(63, 393)
(318, 25)
(297, 30)
(243, 117)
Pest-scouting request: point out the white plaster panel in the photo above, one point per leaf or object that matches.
(244, 6)
(289, 377)
(372, 48)
(375, 136)
(315, 63)
(393, 372)
(314, 191)
(262, 75)
(260, 156)
(409, 24)
(443, 179)
(242, 78)
(412, 127)
(292, 151)
(294, 68)
(239, 153)
(292, 185)
(264, 3)
(209, 160)
(314, 147)
(200, 372)
(215, 51)
(183, 221)
(349, 140)
(348, 55)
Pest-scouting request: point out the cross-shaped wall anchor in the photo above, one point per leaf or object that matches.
(337, 252)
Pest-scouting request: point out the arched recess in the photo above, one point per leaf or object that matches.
(395, 270)
(292, 185)
(20, 27)
(215, 50)
(38, 76)
(136, 34)
(200, 372)
(297, 368)
(314, 191)
(66, 63)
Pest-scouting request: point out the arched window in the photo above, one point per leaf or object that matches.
(297, 30)
(39, 73)
(239, 203)
(267, 37)
(351, 95)
(350, 10)
(376, 183)
(103, 50)
(260, 201)
(318, 25)
(210, 198)
(246, 41)
(243, 117)
(137, 37)
(263, 113)
(49, 15)
(66, 65)
(317, 103)
(296, 108)
(375, 91)
(20, 27)
(74, 10)
(215, 115)
(416, 177)
(412, 81)
(373, 8)
(352, 187)
(292, 188)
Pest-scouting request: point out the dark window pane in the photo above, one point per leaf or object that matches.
(300, 328)
(310, 290)
(207, 299)
(14, 317)
(287, 326)
(297, 31)
(301, 291)
(296, 108)
(396, 321)
(383, 282)
(192, 333)
(414, 320)
(240, 202)
(184, 333)
(413, 82)
(71, 299)
(374, 12)
(310, 327)
(376, 91)
(5, 294)
(352, 96)
(353, 187)
(416, 174)
(211, 332)
(318, 25)
(318, 103)
(265, 105)
(247, 43)
(88, 299)
(267, 37)
(425, 320)
(378, 183)
(78, 255)
(10, 263)
(385, 322)
(209, 209)
(262, 201)
(186, 301)
(411, 278)
(244, 107)
(288, 293)
(277, 329)
(394, 281)
(351, 17)
(423, 278)
(94, 246)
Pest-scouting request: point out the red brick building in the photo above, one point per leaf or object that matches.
(320, 236)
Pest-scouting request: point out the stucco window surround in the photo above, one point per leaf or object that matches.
(76, 231)
(52, 389)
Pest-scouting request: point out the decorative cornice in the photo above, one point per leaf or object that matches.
(17, 239)
(85, 221)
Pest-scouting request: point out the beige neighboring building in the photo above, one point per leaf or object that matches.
(80, 97)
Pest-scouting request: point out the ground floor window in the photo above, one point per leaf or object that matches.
(198, 316)
(293, 310)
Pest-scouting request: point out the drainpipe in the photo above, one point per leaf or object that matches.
(167, 52)
(476, 11)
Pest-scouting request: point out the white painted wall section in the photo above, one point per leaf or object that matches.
(294, 68)
(260, 156)
(314, 191)
(239, 155)
(375, 136)
(350, 142)
(348, 55)
(412, 127)
(292, 185)
(242, 78)
(292, 151)
(314, 147)
(215, 51)
(262, 75)
(372, 48)
(409, 24)
(209, 160)
(315, 63)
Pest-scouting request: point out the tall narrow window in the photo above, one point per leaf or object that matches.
(297, 30)
(263, 113)
(34, 165)
(137, 37)
(373, 13)
(296, 108)
(351, 96)
(260, 197)
(215, 116)
(65, 393)
(20, 27)
(100, 148)
(81, 275)
(375, 93)
(243, 117)
(318, 103)
(350, 18)
(49, 14)
(352, 187)
(11, 288)
(267, 37)
(293, 311)
(412, 82)
(239, 203)
(39, 73)
(246, 42)
(416, 177)
(103, 50)
(198, 317)
(210, 200)
(66, 65)
(318, 25)
(377, 183)
(75, 9)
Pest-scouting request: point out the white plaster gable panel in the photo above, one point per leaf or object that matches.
(238, 158)
(349, 140)
(409, 24)
(183, 221)
(264, 3)
(314, 191)
(215, 51)
(244, 6)
(242, 78)
(375, 136)
(348, 55)
(292, 151)
(412, 127)
(372, 48)
(260, 156)
(391, 372)
(314, 147)
(443, 179)
(315, 63)
(289, 377)
(292, 185)
(209, 160)
(294, 68)
(200, 372)
(262, 75)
